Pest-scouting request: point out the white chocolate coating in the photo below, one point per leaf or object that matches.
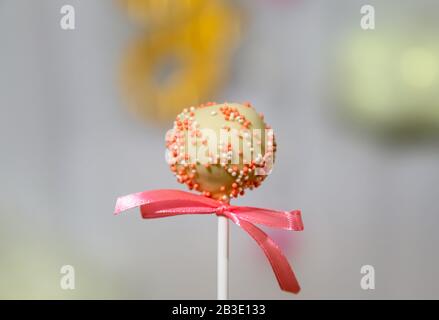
(221, 149)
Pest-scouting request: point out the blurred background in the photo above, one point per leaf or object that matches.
(83, 114)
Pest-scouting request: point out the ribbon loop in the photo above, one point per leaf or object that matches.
(166, 203)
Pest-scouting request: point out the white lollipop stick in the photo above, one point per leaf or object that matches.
(223, 259)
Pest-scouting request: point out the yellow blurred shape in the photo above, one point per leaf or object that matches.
(389, 79)
(198, 52)
(419, 67)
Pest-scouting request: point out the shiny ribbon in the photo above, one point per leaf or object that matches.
(166, 203)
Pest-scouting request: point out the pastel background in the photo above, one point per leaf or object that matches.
(357, 141)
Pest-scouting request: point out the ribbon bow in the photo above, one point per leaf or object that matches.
(166, 203)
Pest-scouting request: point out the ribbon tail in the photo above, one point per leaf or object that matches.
(287, 220)
(131, 201)
(279, 263)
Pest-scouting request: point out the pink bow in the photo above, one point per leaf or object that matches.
(166, 203)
